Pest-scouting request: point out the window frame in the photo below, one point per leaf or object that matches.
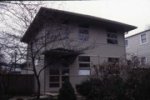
(83, 32)
(141, 39)
(86, 62)
(60, 75)
(111, 38)
(116, 60)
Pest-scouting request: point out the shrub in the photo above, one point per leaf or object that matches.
(67, 92)
(138, 84)
(109, 88)
(112, 87)
(91, 89)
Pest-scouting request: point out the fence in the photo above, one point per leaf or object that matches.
(17, 84)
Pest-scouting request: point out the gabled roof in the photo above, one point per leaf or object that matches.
(44, 13)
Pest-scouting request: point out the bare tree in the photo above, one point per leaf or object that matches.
(21, 19)
(16, 16)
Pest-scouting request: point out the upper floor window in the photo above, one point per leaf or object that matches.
(112, 38)
(126, 42)
(84, 65)
(65, 28)
(83, 32)
(143, 38)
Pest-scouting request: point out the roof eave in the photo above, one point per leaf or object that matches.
(35, 26)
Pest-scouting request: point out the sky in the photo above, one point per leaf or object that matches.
(133, 12)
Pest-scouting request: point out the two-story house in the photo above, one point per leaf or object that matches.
(139, 45)
(72, 43)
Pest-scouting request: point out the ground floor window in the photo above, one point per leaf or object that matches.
(57, 76)
(84, 65)
(113, 60)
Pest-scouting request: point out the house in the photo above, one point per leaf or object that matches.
(71, 44)
(139, 45)
(12, 68)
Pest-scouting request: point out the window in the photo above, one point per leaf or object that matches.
(84, 65)
(84, 32)
(113, 60)
(65, 29)
(58, 76)
(54, 78)
(84, 72)
(143, 38)
(143, 60)
(126, 42)
(112, 38)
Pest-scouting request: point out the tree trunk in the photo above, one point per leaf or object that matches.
(38, 88)
(37, 79)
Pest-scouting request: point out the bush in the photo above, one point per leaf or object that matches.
(110, 88)
(91, 89)
(138, 84)
(67, 92)
(114, 88)
(135, 87)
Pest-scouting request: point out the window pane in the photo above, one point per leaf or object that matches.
(84, 65)
(84, 72)
(113, 60)
(83, 32)
(54, 79)
(112, 38)
(84, 25)
(54, 85)
(109, 35)
(84, 58)
(65, 71)
(54, 72)
(112, 41)
(83, 37)
(143, 38)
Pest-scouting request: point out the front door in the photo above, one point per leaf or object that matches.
(57, 76)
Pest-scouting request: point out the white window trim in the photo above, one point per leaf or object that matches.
(141, 39)
(85, 35)
(84, 69)
(112, 38)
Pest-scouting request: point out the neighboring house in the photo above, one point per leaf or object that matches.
(139, 45)
(100, 40)
(12, 68)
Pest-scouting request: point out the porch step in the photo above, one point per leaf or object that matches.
(51, 93)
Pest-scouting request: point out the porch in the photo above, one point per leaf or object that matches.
(58, 62)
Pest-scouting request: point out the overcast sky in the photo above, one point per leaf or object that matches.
(134, 12)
